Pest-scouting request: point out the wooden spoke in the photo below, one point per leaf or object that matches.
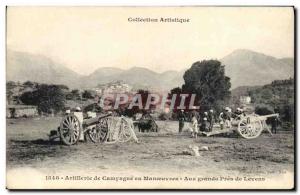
(100, 131)
(70, 129)
(250, 127)
(124, 133)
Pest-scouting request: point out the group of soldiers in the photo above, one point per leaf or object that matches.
(205, 121)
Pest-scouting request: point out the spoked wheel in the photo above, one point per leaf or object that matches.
(125, 131)
(250, 127)
(99, 132)
(70, 129)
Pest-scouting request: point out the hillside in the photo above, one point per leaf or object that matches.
(249, 68)
(243, 90)
(22, 67)
(142, 78)
(244, 67)
(277, 97)
(277, 93)
(100, 76)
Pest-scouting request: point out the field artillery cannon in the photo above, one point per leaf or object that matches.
(251, 126)
(248, 126)
(100, 129)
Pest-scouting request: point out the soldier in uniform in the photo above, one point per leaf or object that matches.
(204, 124)
(196, 114)
(239, 113)
(221, 120)
(274, 123)
(228, 117)
(181, 119)
(194, 126)
(211, 119)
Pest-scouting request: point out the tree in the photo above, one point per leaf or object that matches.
(48, 98)
(144, 94)
(10, 85)
(29, 84)
(73, 95)
(87, 94)
(208, 81)
(278, 97)
(94, 107)
(263, 109)
(135, 109)
(175, 91)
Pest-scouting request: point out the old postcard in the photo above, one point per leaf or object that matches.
(150, 98)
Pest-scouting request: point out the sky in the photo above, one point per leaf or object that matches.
(87, 38)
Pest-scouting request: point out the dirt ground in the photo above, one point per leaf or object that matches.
(157, 153)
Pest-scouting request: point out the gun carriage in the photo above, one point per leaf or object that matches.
(248, 126)
(100, 129)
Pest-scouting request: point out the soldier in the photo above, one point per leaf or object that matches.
(194, 126)
(221, 120)
(181, 119)
(228, 117)
(68, 111)
(146, 115)
(239, 113)
(211, 119)
(274, 124)
(204, 124)
(196, 114)
(78, 113)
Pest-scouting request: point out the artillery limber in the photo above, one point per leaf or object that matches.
(103, 128)
(146, 123)
(248, 126)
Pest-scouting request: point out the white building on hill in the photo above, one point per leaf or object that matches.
(113, 87)
(245, 99)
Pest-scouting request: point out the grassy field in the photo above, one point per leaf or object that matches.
(157, 153)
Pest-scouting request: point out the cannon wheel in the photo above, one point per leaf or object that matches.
(98, 133)
(250, 127)
(125, 132)
(70, 129)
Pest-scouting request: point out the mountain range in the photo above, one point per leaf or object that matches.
(249, 68)
(244, 67)
(21, 66)
(137, 77)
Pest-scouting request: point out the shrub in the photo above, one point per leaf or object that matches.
(87, 94)
(48, 98)
(263, 110)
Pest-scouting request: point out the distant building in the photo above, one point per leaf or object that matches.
(113, 88)
(17, 111)
(245, 99)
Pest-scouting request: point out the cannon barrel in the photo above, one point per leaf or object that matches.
(93, 121)
(265, 117)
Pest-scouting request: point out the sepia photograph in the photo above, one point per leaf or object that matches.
(150, 98)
